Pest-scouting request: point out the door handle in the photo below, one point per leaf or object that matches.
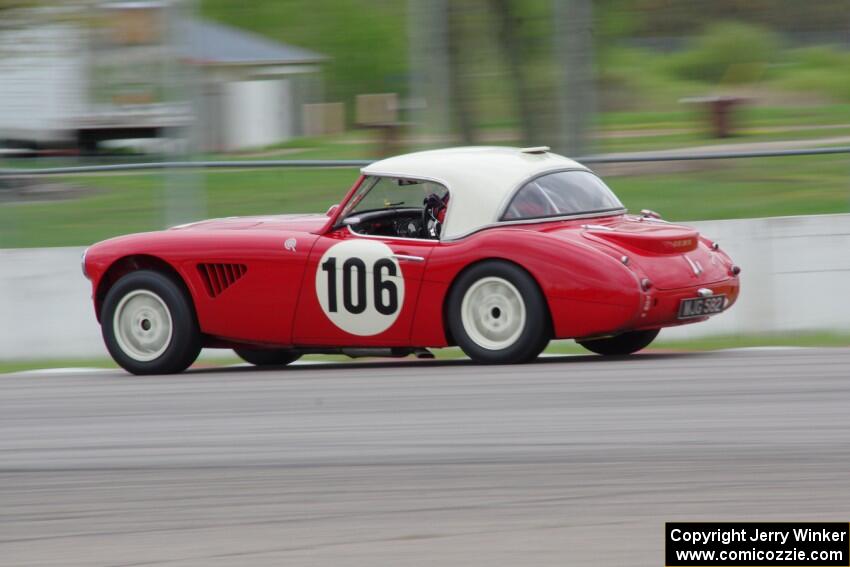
(408, 258)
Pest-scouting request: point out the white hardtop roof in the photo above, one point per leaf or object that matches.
(479, 178)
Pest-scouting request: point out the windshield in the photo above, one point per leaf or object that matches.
(562, 193)
(379, 193)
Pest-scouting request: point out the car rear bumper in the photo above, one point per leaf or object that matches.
(660, 308)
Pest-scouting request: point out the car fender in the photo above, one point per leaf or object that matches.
(244, 283)
(588, 291)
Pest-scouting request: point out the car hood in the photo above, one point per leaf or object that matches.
(298, 222)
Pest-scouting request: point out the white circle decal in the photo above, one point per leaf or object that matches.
(360, 286)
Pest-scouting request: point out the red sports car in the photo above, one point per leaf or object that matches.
(496, 250)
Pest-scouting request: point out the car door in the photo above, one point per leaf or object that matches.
(360, 290)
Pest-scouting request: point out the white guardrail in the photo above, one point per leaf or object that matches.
(795, 277)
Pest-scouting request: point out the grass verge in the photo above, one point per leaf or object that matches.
(112, 205)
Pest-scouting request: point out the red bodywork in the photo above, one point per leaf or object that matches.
(271, 264)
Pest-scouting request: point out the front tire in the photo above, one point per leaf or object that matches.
(267, 357)
(149, 325)
(622, 344)
(497, 314)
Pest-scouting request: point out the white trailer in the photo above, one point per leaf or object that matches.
(42, 84)
(67, 84)
(129, 70)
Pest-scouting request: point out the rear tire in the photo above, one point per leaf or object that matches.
(149, 325)
(497, 314)
(267, 357)
(625, 343)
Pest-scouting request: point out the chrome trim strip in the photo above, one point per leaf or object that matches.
(613, 213)
(355, 233)
(650, 219)
(83, 263)
(408, 257)
(697, 269)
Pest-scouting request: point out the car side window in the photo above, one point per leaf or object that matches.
(397, 207)
(561, 193)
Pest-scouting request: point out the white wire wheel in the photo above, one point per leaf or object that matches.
(142, 325)
(493, 313)
(497, 314)
(149, 323)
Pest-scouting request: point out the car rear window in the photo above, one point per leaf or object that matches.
(562, 193)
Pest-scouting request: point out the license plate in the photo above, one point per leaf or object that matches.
(701, 306)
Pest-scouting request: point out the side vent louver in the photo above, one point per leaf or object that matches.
(219, 277)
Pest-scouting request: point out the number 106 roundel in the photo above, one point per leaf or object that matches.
(495, 250)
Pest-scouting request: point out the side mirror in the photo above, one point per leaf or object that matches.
(649, 214)
(351, 221)
(332, 211)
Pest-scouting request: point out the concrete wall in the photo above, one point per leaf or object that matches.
(45, 306)
(796, 277)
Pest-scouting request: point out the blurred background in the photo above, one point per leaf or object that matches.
(568, 461)
(104, 83)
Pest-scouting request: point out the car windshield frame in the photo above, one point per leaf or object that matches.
(578, 214)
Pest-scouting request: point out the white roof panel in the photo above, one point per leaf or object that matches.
(480, 179)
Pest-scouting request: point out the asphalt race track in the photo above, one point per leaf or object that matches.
(569, 461)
